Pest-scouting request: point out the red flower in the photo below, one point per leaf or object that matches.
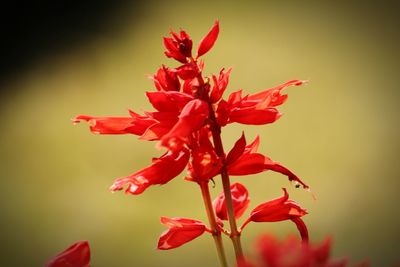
(280, 209)
(166, 80)
(191, 119)
(136, 124)
(292, 253)
(240, 198)
(77, 255)
(220, 85)
(188, 71)
(208, 41)
(181, 231)
(179, 46)
(243, 160)
(259, 108)
(205, 163)
(161, 171)
(168, 101)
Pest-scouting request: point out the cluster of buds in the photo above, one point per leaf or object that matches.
(190, 112)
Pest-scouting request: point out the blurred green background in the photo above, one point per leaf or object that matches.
(339, 133)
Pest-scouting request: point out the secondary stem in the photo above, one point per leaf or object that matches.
(235, 234)
(216, 232)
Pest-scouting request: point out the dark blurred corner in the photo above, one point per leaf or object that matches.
(33, 29)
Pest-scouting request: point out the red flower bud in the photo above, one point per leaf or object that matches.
(240, 198)
(208, 41)
(181, 231)
(179, 46)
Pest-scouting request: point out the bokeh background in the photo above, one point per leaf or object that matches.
(339, 133)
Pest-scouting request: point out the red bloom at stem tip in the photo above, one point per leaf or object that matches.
(76, 255)
(181, 231)
(179, 46)
(244, 160)
(240, 198)
(161, 171)
(280, 209)
(208, 41)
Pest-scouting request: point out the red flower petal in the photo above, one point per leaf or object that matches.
(220, 85)
(254, 116)
(273, 95)
(251, 162)
(161, 171)
(77, 255)
(181, 231)
(301, 226)
(237, 150)
(136, 124)
(166, 80)
(191, 119)
(205, 163)
(187, 71)
(208, 41)
(240, 198)
(279, 209)
(168, 101)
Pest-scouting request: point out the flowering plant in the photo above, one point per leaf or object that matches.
(190, 113)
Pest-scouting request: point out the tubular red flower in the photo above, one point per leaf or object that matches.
(205, 163)
(259, 108)
(220, 85)
(208, 41)
(161, 171)
(240, 198)
(162, 100)
(191, 119)
(244, 160)
(188, 71)
(166, 80)
(280, 209)
(77, 255)
(136, 124)
(181, 231)
(179, 46)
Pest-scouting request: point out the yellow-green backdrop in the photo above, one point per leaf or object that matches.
(339, 133)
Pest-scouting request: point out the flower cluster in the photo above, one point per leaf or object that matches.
(183, 230)
(190, 112)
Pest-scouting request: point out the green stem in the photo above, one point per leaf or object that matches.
(235, 233)
(219, 149)
(216, 232)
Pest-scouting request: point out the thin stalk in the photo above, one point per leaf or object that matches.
(216, 232)
(235, 233)
(219, 149)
